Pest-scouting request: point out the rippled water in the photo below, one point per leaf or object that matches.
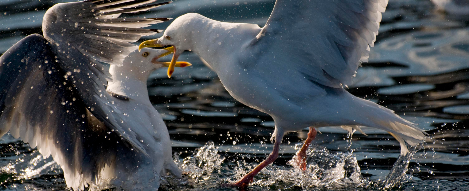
(419, 68)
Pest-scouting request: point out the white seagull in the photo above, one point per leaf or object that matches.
(98, 124)
(295, 67)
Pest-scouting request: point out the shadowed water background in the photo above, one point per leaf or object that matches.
(419, 68)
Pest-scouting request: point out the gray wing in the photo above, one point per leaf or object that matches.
(95, 28)
(326, 40)
(46, 110)
(82, 32)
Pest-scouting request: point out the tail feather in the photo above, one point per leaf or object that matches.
(404, 131)
(404, 149)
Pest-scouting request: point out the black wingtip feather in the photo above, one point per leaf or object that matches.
(161, 19)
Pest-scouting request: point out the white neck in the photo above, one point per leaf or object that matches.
(134, 87)
(214, 40)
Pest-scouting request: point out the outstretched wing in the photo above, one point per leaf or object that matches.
(82, 32)
(75, 35)
(95, 28)
(326, 40)
(43, 107)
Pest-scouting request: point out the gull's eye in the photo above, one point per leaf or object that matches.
(145, 54)
(167, 37)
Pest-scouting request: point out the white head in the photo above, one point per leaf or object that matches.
(140, 64)
(178, 35)
(181, 31)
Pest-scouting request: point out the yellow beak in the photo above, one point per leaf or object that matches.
(173, 63)
(169, 49)
(149, 44)
(177, 64)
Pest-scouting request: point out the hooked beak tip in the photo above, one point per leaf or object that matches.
(170, 73)
(149, 44)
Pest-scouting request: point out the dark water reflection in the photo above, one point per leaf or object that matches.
(419, 67)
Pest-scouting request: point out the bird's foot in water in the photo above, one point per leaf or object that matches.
(299, 160)
(248, 178)
(243, 183)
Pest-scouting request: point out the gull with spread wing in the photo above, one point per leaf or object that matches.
(295, 67)
(98, 124)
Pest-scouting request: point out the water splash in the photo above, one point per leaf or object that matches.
(203, 164)
(199, 170)
(398, 175)
(325, 170)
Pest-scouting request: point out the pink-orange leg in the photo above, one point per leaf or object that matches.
(301, 154)
(248, 178)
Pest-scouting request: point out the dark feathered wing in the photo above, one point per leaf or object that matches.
(95, 28)
(326, 40)
(42, 106)
(82, 32)
(53, 91)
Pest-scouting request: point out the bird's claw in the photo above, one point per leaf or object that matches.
(299, 161)
(241, 184)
